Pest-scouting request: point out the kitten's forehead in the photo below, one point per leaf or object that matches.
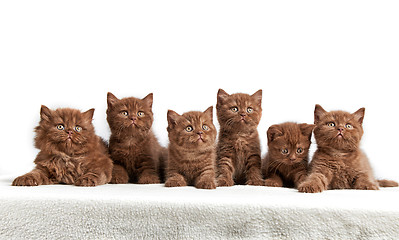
(195, 117)
(241, 99)
(338, 117)
(132, 103)
(67, 115)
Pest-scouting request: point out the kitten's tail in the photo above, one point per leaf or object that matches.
(387, 183)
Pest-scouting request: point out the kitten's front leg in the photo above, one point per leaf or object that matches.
(119, 175)
(314, 183)
(273, 181)
(35, 177)
(254, 174)
(225, 175)
(363, 182)
(147, 173)
(175, 180)
(207, 179)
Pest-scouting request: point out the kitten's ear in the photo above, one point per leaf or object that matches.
(258, 96)
(209, 112)
(88, 115)
(318, 113)
(273, 132)
(359, 115)
(222, 95)
(307, 129)
(111, 99)
(148, 99)
(45, 113)
(172, 118)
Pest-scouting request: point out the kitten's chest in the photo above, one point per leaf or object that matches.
(65, 169)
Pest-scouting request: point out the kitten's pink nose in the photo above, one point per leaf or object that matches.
(200, 133)
(69, 132)
(243, 114)
(133, 118)
(340, 129)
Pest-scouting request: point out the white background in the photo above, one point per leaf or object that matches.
(340, 54)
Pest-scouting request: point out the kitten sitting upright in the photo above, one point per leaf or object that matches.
(70, 151)
(338, 162)
(286, 161)
(138, 157)
(238, 149)
(191, 149)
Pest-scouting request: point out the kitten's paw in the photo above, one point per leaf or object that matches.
(119, 180)
(148, 180)
(310, 187)
(86, 181)
(26, 180)
(256, 182)
(273, 183)
(224, 182)
(366, 186)
(175, 183)
(206, 184)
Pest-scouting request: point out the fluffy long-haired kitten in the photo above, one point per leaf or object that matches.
(191, 149)
(70, 151)
(286, 161)
(338, 162)
(138, 157)
(238, 149)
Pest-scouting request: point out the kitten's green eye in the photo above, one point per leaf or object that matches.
(205, 127)
(60, 127)
(348, 126)
(124, 113)
(234, 109)
(331, 124)
(140, 114)
(189, 128)
(250, 110)
(299, 150)
(284, 151)
(78, 128)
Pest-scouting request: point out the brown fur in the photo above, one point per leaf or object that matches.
(338, 162)
(80, 159)
(191, 160)
(238, 149)
(287, 159)
(138, 157)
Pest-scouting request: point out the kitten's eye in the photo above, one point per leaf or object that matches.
(284, 151)
(299, 150)
(60, 127)
(331, 124)
(140, 114)
(234, 109)
(348, 126)
(249, 110)
(124, 113)
(78, 128)
(189, 128)
(205, 127)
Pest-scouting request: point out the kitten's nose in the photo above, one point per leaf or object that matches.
(243, 114)
(69, 132)
(340, 129)
(200, 133)
(133, 118)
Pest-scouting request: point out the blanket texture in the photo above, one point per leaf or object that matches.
(132, 211)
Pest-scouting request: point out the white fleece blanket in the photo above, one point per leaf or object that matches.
(134, 211)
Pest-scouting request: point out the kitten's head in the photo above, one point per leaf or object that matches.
(192, 129)
(131, 116)
(64, 129)
(239, 111)
(338, 129)
(289, 142)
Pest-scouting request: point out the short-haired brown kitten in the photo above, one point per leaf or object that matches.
(70, 151)
(138, 157)
(238, 148)
(191, 149)
(338, 162)
(286, 161)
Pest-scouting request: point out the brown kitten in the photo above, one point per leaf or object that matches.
(338, 162)
(287, 159)
(238, 149)
(191, 149)
(136, 152)
(70, 151)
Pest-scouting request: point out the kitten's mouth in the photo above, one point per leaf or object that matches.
(340, 135)
(200, 139)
